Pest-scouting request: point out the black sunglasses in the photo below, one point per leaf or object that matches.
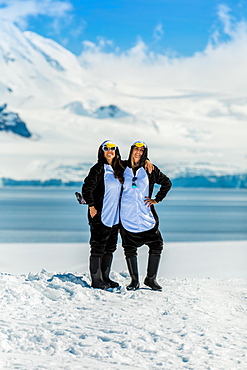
(133, 182)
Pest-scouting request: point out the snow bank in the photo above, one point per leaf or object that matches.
(226, 259)
(55, 320)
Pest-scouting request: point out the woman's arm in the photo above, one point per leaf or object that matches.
(158, 177)
(149, 166)
(90, 183)
(166, 184)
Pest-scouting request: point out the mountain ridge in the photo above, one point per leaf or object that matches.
(228, 181)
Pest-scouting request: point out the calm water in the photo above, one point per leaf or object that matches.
(53, 215)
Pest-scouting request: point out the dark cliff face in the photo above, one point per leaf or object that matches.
(10, 121)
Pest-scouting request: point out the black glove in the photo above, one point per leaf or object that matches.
(78, 197)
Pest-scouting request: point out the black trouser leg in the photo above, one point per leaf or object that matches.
(96, 273)
(153, 264)
(133, 271)
(98, 240)
(106, 268)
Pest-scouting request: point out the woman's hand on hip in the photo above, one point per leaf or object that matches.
(148, 201)
(93, 211)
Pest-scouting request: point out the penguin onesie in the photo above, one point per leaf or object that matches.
(139, 223)
(102, 190)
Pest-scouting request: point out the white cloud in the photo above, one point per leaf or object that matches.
(102, 45)
(158, 32)
(220, 68)
(19, 10)
(90, 46)
(226, 18)
(77, 31)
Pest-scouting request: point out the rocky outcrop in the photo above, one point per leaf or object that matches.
(110, 111)
(10, 121)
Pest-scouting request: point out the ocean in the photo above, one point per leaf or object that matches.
(53, 215)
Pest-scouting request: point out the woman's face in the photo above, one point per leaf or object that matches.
(137, 152)
(109, 155)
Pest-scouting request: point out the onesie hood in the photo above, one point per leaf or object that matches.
(144, 156)
(109, 144)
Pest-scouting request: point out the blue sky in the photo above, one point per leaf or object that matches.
(171, 27)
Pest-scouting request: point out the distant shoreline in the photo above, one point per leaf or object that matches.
(227, 181)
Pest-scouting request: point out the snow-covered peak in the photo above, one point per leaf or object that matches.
(56, 55)
(37, 71)
(13, 42)
(29, 47)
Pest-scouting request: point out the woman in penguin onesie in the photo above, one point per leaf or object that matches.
(139, 220)
(101, 191)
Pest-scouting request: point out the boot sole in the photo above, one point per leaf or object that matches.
(133, 288)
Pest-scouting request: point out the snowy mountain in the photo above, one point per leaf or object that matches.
(36, 72)
(70, 110)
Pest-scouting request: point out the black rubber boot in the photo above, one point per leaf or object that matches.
(96, 274)
(106, 268)
(133, 271)
(153, 264)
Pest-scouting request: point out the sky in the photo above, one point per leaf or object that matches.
(176, 28)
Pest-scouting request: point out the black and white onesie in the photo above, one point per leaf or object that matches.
(102, 190)
(139, 223)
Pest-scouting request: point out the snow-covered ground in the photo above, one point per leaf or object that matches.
(50, 318)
